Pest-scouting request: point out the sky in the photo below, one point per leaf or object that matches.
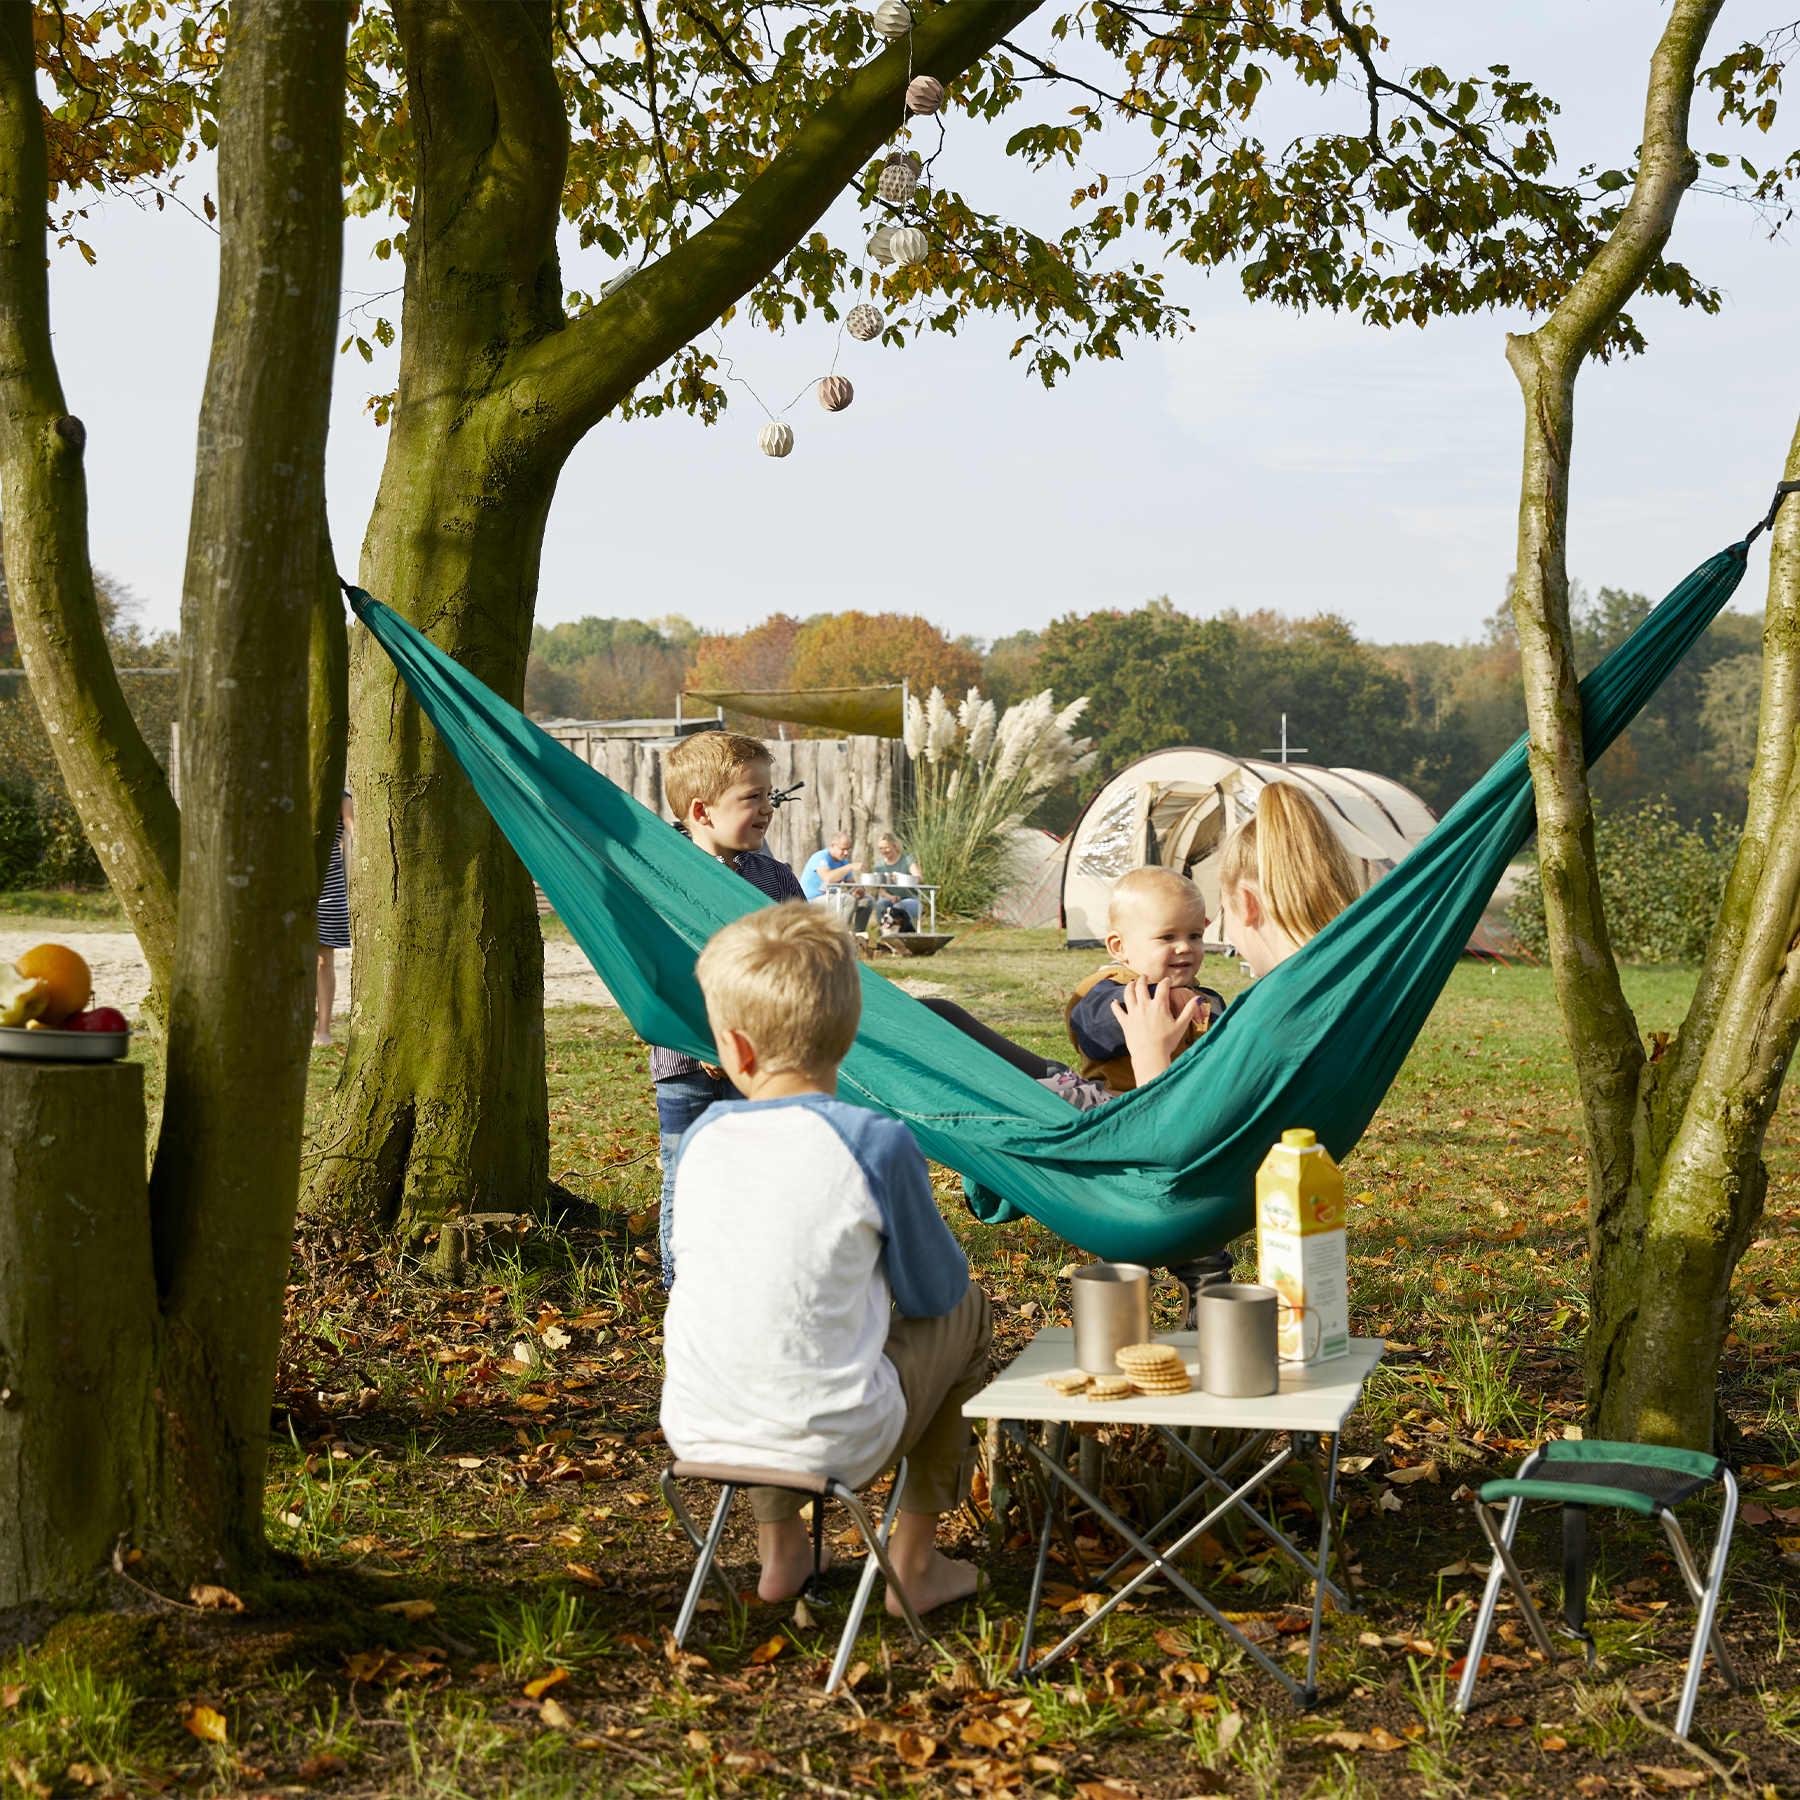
(1265, 459)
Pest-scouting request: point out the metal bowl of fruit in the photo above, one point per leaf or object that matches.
(45, 1015)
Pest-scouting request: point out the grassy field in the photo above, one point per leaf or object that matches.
(476, 1571)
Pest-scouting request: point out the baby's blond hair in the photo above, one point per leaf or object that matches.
(785, 976)
(703, 766)
(1163, 886)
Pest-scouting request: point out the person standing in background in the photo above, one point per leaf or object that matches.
(334, 920)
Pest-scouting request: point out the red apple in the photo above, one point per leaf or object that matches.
(101, 1018)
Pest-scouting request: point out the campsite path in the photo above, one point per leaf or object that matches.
(121, 978)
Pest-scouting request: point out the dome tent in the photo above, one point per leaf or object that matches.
(1174, 808)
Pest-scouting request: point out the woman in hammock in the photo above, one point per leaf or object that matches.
(1283, 877)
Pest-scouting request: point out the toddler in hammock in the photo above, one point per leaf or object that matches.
(1283, 877)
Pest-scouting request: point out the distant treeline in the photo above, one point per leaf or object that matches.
(1429, 714)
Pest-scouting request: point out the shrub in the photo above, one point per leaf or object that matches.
(977, 776)
(1661, 880)
(21, 835)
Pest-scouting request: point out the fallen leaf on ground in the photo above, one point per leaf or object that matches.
(11, 1696)
(1660, 1777)
(592, 1578)
(82, 1774)
(553, 1337)
(767, 1651)
(1425, 1471)
(1455, 1569)
(205, 1724)
(1377, 1738)
(410, 1610)
(536, 1690)
(553, 1715)
(321, 1768)
(1555, 1741)
(1389, 1501)
(211, 1598)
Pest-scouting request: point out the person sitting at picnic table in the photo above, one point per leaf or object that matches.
(828, 868)
(823, 1319)
(896, 867)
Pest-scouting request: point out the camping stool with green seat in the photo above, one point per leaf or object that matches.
(1646, 1479)
(822, 1488)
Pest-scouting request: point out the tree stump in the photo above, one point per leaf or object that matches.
(77, 1322)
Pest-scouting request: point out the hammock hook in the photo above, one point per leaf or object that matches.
(1767, 522)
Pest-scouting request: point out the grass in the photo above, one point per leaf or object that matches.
(459, 1523)
(60, 909)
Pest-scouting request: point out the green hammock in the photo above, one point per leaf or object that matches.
(1158, 1176)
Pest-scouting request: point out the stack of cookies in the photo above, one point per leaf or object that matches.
(1143, 1369)
(1154, 1369)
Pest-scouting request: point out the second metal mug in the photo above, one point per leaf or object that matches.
(1110, 1304)
(1237, 1340)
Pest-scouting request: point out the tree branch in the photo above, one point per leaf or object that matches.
(117, 786)
(588, 368)
(1603, 1035)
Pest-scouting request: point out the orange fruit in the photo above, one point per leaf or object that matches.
(70, 981)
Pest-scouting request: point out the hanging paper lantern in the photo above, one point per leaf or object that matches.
(924, 94)
(909, 245)
(899, 177)
(892, 20)
(881, 243)
(864, 322)
(775, 438)
(835, 393)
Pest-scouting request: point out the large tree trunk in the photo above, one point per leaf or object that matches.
(1675, 1175)
(442, 1104)
(178, 1304)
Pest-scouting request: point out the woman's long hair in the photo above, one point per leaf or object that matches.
(1287, 849)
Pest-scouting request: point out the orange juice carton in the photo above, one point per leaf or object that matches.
(1300, 1247)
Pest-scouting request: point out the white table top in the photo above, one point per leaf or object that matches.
(1315, 1397)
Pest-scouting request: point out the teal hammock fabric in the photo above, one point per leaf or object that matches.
(1159, 1175)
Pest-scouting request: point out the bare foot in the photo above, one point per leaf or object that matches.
(322, 1043)
(937, 1582)
(787, 1559)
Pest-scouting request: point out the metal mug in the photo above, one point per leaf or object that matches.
(1238, 1358)
(1110, 1305)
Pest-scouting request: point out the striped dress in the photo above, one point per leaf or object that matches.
(334, 900)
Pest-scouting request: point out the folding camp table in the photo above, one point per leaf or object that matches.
(1311, 1404)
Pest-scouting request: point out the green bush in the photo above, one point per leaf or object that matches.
(1661, 881)
(21, 835)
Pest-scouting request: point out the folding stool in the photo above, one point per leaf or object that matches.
(822, 1488)
(1647, 1479)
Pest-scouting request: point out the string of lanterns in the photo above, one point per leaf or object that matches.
(898, 246)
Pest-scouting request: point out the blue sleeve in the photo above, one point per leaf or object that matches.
(811, 887)
(927, 1272)
(1091, 1023)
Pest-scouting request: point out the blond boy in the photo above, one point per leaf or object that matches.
(720, 786)
(823, 1319)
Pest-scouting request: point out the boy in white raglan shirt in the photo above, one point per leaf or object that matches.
(822, 1319)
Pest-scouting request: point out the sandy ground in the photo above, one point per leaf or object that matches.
(121, 979)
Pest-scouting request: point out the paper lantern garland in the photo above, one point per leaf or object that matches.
(924, 94)
(909, 245)
(901, 246)
(899, 178)
(892, 20)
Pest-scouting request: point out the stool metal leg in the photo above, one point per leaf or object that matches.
(1052, 1496)
(875, 1537)
(1707, 1596)
(708, 1550)
(1503, 1568)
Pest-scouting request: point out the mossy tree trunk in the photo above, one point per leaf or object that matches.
(1675, 1172)
(441, 1106)
(198, 1275)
